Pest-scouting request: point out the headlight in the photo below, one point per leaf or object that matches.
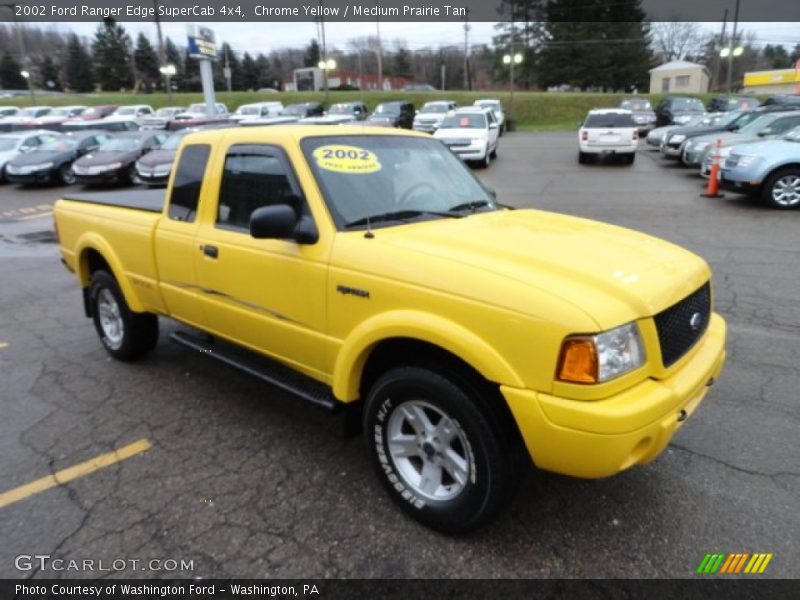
(677, 138)
(42, 166)
(115, 165)
(745, 160)
(601, 357)
(700, 146)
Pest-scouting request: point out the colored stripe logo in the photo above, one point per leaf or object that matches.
(734, 563)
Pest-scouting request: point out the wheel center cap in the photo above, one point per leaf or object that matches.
(428, 449)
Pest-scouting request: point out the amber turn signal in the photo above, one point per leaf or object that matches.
(578, 361)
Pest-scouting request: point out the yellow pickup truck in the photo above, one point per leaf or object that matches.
(369, 272)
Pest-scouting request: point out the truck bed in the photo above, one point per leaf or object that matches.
(150, 200)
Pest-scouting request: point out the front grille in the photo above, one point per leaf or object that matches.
(679, 327)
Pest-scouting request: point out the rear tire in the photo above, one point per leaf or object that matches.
(126, 335)
(629, 158)
(437, 448)
(583, 158)
(782, 189)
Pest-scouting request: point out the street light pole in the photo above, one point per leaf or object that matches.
(511, 60)
(733, 45)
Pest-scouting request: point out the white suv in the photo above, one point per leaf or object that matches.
(608, 131)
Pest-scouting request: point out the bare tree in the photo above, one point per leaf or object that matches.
(677, 40)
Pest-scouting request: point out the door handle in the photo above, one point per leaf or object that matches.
(210, 251)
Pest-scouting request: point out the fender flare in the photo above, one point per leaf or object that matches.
(417, 325)
(93, 241)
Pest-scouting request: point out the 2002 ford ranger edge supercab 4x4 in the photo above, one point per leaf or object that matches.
(369, 271)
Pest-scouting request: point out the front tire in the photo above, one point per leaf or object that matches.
(66, 175)
(437, 450)
(487, 159)
(782, 189)
(126, 335)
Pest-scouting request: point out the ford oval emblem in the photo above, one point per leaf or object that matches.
(696, 321)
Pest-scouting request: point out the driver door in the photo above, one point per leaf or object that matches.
(266, 294)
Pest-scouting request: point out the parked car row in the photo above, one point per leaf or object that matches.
(134, 144)
(756, 148)
(397, 113)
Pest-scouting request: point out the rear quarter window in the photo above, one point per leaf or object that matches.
(188, 181)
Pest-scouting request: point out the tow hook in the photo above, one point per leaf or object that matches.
(682, 416)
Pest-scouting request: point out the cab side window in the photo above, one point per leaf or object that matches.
(252, 178)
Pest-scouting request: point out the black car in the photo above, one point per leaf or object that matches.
(112, 125)
(728, 103)
(393, 114)
(52, 161)
(678, 110)
(358, 110)
(303, 110)
(114, 160)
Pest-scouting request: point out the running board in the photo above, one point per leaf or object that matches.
(263, 368)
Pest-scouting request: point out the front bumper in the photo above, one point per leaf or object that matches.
(673, 151)
(599, 438)
(469, 152)
(43, 176)
(151, 179)
(737, 182)
(104, 177)
(425, 127)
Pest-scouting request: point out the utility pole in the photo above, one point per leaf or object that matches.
(161, 55)
(444, 75)
(227, 70)
(732, 46)
(467, 85)
(380, 55)
(324, 53)
(717, 86)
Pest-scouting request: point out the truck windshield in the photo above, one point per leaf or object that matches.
(376, 175)
(435, 108)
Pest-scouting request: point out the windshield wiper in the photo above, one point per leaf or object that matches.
(399, 215)
(472, 205)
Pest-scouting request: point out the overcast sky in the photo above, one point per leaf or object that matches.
(264, 37)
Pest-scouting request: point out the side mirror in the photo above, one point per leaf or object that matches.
(492, 125)
(26, 149)
(765, 132)
(279, 221)
(491, 191)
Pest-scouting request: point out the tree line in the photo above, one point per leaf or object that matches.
(611, 48)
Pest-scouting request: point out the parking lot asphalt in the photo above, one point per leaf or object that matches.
(247, 482)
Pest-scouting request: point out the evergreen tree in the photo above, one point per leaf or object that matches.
(776, 57)
(176, 58)
(112, 56)
(266, 75)
(10, 76)
(226, 53)
(78, 66)
(51, 78)
(795, 55)
(609, 49)
(313, 56)
(402, 64)
(250, 74)
(145, 61)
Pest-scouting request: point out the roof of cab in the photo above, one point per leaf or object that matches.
(291, 133)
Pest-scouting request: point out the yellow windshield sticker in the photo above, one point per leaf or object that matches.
(346, 159)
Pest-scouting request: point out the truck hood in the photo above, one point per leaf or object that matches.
(612, 274)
